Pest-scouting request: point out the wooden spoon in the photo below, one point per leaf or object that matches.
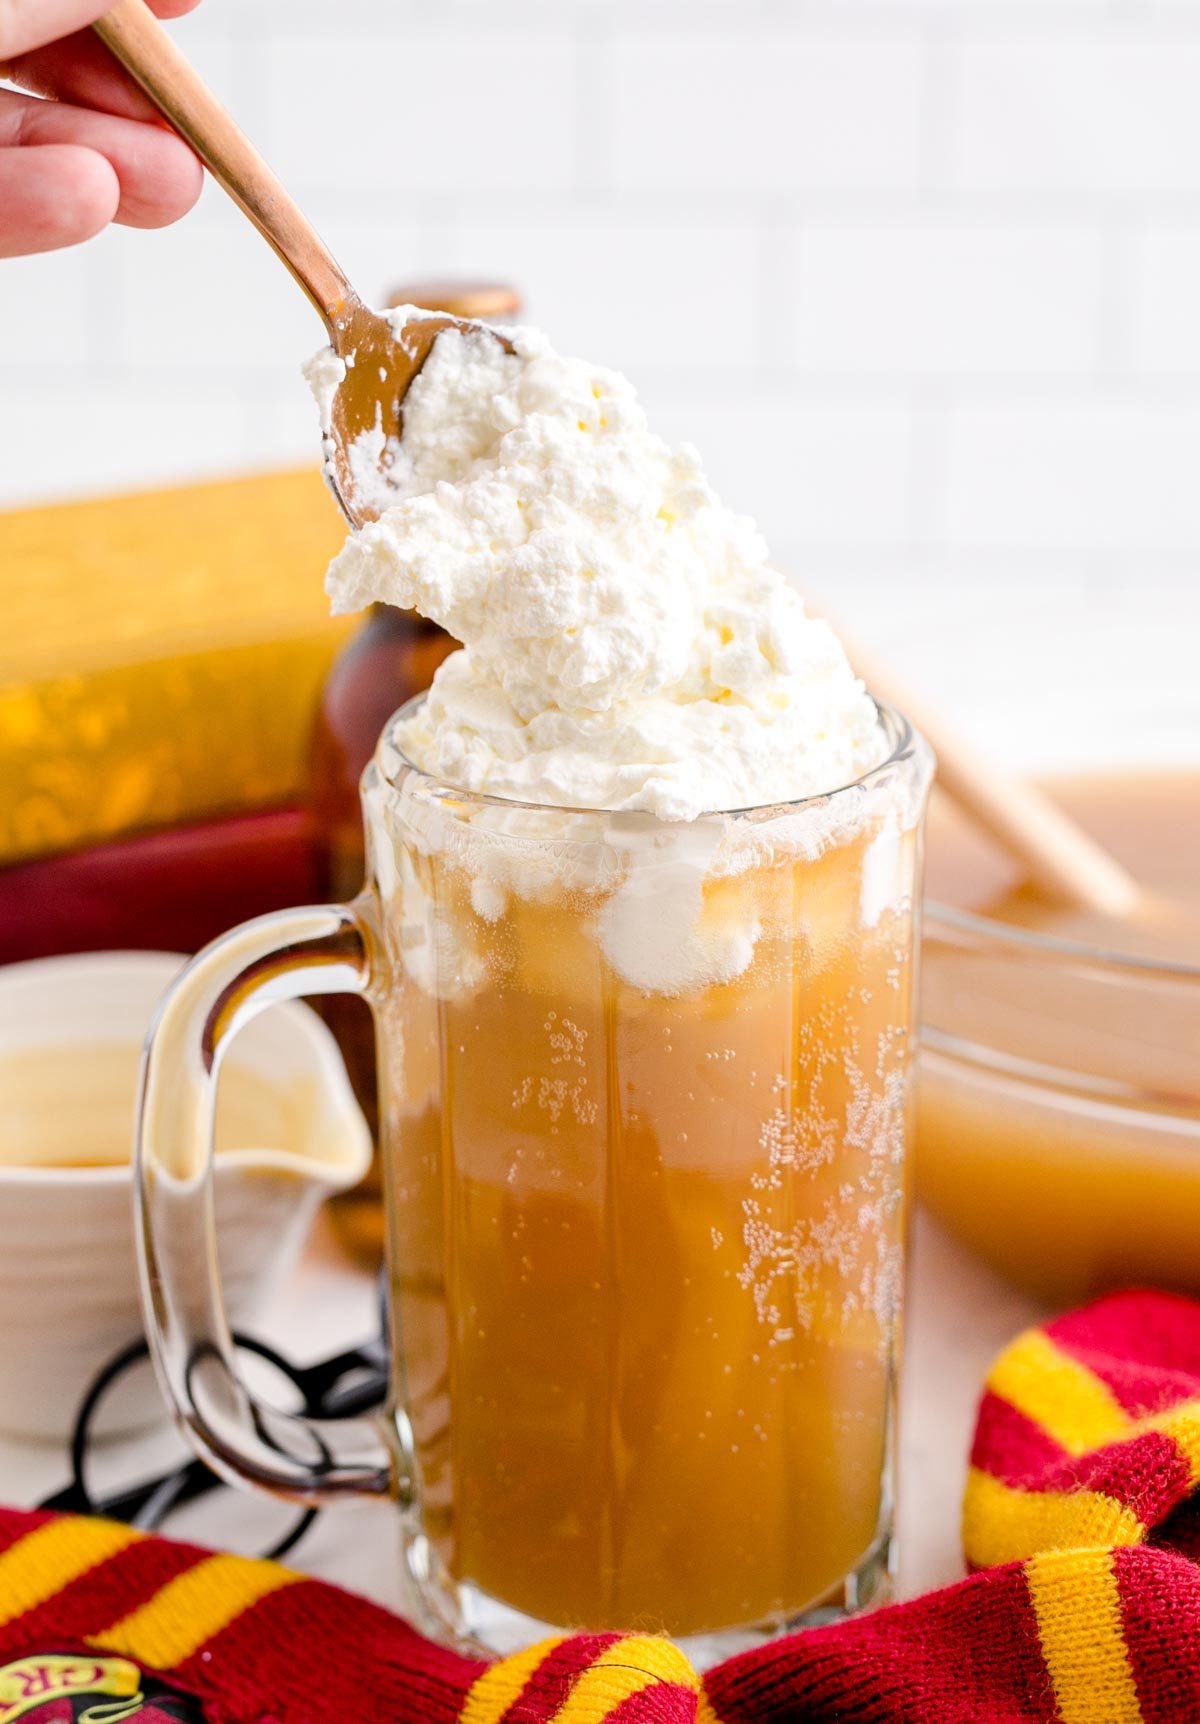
(1058, 856)
(381, 358)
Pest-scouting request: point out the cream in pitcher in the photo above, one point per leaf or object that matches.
(638, 935)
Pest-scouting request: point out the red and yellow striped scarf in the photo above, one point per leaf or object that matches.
(1081, 1523)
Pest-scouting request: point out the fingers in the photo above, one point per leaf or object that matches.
(26, 24)
(158, 178)
(67, 171)
(80, 69)
(53, 195)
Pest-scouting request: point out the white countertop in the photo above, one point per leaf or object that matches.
(959, 1316)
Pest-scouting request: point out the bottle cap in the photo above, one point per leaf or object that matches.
(484, 301)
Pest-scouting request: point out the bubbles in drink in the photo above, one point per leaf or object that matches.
(693, 1336)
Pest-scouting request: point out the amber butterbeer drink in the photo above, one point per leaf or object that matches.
(636, 931)
(645, 1128)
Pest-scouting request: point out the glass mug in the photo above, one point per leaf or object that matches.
(645, 1096)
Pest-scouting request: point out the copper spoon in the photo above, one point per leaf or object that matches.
(380, 359)
(380, 365)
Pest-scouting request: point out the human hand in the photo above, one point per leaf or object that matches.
(86, 147)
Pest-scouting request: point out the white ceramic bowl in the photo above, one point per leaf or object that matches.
(68, 1284)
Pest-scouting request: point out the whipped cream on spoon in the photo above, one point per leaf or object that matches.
(375, 358)
(627, 645)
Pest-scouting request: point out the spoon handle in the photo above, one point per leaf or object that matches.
(132, 32)
(1064, 860)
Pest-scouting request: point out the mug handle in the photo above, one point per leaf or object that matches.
(322, 949)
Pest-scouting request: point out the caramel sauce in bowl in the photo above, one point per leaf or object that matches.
(1059, 1116)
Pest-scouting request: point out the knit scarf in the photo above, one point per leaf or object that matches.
(1080, 1526)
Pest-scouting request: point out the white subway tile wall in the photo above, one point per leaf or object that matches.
(920, 277)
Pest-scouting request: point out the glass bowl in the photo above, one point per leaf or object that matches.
(1059, 1106)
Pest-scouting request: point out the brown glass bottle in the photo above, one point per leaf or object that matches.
(391, 658)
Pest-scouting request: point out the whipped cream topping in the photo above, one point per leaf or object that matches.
(626, 644)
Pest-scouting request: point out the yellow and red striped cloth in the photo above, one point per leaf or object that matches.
(1081, 1524)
